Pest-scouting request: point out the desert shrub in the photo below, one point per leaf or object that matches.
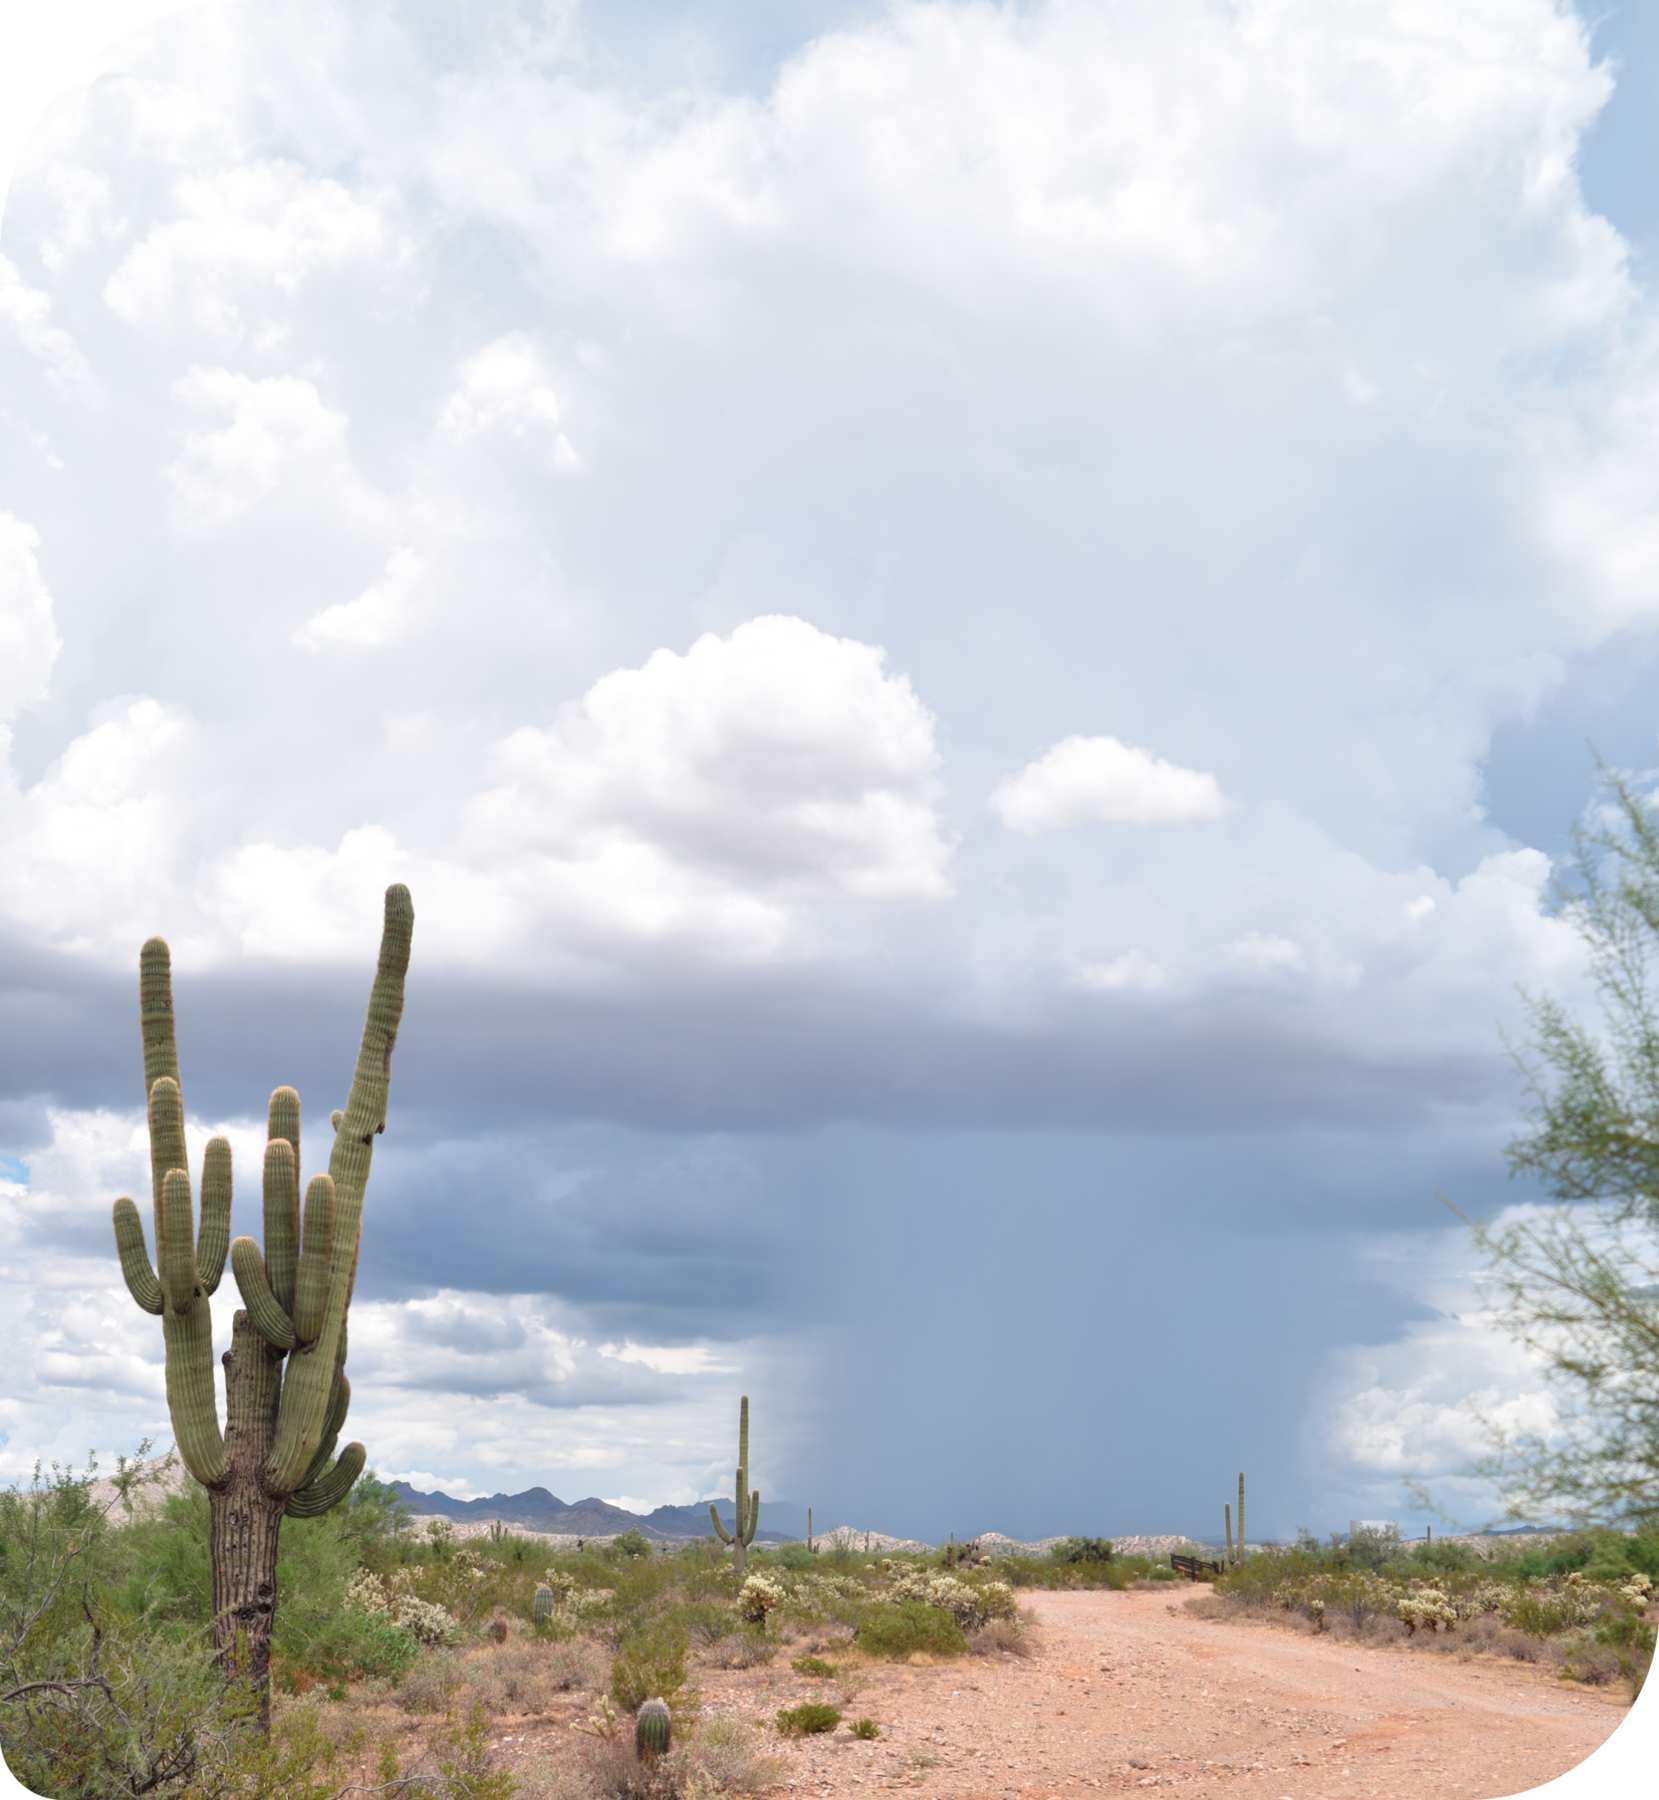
(576, 1666)
(810, 1717)
(814, 1667)
(432, 1682)
(724, 1753)
(998, 1635)
(650, 1665)
(970, 1603)
(1082, 1550)
(518, 1677)
(632, 1542)
(1544, 1614)
(1046, 1572)
(954, 1555)
(866, 1729)
(790, 1556)
(747, 1649)
(1370, 1548)
(1441, 1557)
(552, 1778)
(909, 1627)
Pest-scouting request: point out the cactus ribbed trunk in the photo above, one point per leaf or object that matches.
(245, 1517)
(286, 1388)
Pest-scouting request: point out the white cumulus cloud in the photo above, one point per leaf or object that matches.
(29, 641)
(240, 235)
(376, 616)
(277, 427)
(1085, 780)
(28, 312)
(776, 762)
(505, 386)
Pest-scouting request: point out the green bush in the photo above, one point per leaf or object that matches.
(1082, 1550)
(809, 1717)
(866, 1728)
(813, 1667)
(632, 1542)
(649, 1665)
(786, 1556)
(902, 1630)
(1542, 1615)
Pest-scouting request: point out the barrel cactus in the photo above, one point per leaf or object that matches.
(543, 1612)
(653, 1728)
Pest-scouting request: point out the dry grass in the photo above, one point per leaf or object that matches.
(1001, 1637)
(720, 1756)
(741, 1650)
(1596, 1665)
(519, 1676)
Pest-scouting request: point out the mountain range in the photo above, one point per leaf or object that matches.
(538, 1510)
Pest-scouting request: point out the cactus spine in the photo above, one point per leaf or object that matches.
(747, 1509)
(653, 1729)
(285, 1385)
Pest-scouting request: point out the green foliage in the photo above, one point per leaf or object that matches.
(866, 1729)
(809, 1717)
(632, 1542)
(650, 1664)
(787, 1556)
(102, 1699)
(1082, 1550)
(813, 1667)
(1047, 1572)
(903, 1630)
(1576, 1285)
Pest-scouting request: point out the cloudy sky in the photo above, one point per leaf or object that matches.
(974, 628)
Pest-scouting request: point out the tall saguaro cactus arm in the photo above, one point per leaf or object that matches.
(188, 1263)
(308, 1387)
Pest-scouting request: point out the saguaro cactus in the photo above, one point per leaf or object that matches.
(276, 1453)
(747, 1510)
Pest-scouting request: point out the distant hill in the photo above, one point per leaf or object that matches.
(538, 1510)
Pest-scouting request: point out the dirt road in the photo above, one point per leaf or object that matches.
(1130, 1693)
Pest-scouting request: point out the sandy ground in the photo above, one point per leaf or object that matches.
(1131, 1691)
(1129, 1694)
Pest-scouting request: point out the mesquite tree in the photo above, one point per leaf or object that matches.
(286, 1391)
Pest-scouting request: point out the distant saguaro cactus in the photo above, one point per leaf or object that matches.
(747, 1513)
(544, 1604)
(281, 1423)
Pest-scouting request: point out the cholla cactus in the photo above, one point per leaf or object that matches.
(1425, 1606)
(758, 1596)
(1638, 1590)
(747, 1513)
(285, 1386)
(970, 1604)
